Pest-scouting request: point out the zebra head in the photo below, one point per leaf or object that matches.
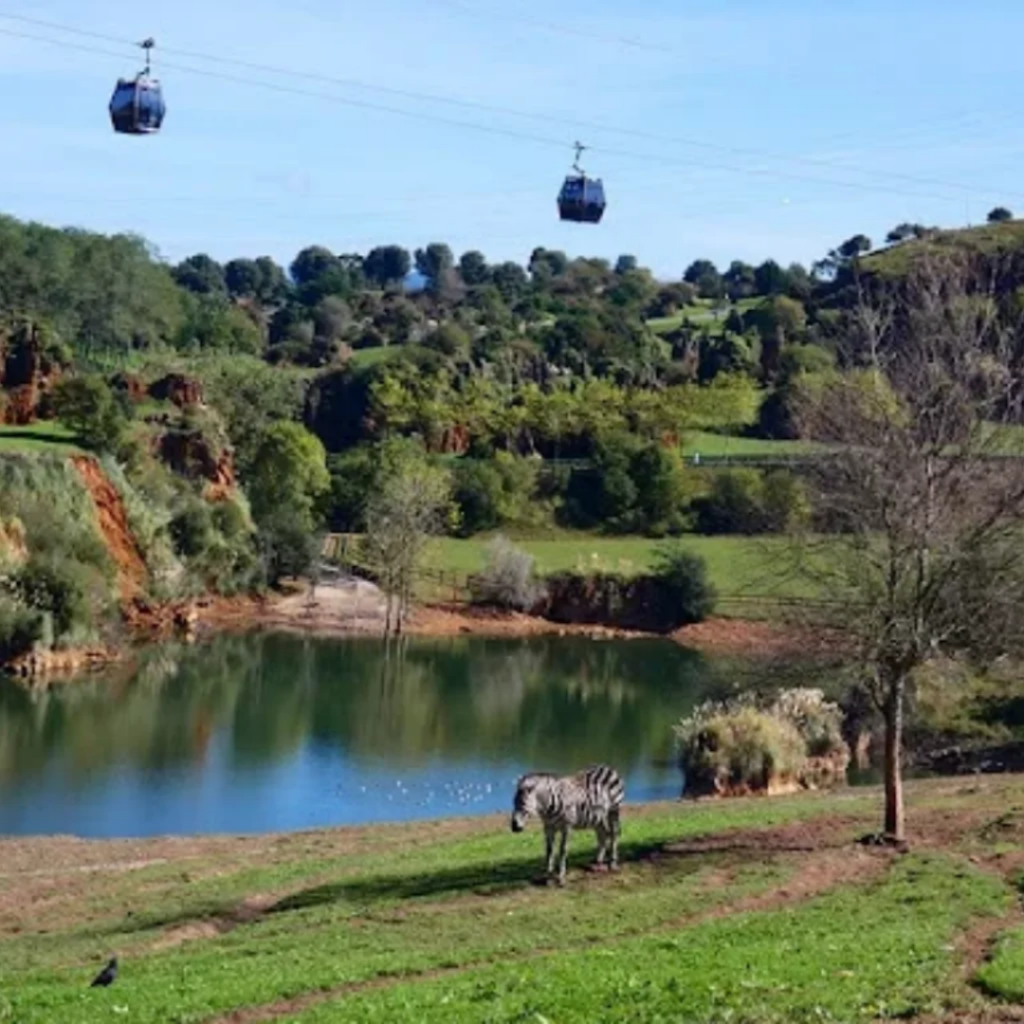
(525, 802)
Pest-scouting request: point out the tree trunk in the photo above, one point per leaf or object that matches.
(894, 813)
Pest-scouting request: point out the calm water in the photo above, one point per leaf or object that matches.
(272, 732)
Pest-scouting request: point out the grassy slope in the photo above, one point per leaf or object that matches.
(438, 921)
(987, 238)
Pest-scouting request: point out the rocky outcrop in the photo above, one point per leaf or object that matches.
(190, 454)
(131, 386)
(178, 388)
(27, 375)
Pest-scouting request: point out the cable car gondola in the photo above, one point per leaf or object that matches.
(581, 199)
(137, 106)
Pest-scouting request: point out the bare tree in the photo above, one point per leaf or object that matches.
(923, 501)
(407, 509)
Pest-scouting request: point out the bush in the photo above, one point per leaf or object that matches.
(632, 486)
(734, 504)
(745, 501)
(192, 528)
(744, 745)
(20, 628)
(819, 722)
(353, 476)
(738, 751)
(87, 406)
(66, 591)
(499, 492)
(784, 501)
(508, 579)
(688, 592)
(287, 545)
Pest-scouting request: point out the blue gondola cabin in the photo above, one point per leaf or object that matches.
(137, 106)
(581, 200)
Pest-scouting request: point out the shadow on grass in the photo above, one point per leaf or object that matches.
(479, 879)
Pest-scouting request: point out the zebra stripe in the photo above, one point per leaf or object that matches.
(590, 799)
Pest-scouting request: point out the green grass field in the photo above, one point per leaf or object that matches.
(705, 443)
(44, 436)
(700, 313)
(738, 566)
(372, 356)
(761, 910)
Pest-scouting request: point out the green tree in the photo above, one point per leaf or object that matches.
(433, 262)
(242, 278)
(704, 275)
(771, 279)
(214, 324)
(273, 282)
(473, 268)
(201, 274)
(740, 280)
(288, 471)
(1000, 215)
(387, 264)
(87, 406)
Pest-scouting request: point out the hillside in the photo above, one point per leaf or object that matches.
(1000, 239)
(747, 910)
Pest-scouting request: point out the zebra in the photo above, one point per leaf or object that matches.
(589, 799)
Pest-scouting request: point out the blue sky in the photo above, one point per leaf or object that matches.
(828, 118)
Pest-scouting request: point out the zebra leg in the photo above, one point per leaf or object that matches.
(562, 849)
(602, 846)
(549, 850)
(615, 828)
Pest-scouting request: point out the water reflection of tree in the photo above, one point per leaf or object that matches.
(554, 702)
(162, 718)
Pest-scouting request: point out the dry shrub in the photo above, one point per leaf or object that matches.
(508, 579)
(750, 745)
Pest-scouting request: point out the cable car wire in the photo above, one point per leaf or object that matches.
(503, 132)
(493, 130)
(420, 96)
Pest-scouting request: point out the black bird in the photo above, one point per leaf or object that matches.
(107, 976)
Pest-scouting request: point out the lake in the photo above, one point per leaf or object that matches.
(269, 732)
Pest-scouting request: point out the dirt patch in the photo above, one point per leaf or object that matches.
(114, 526)
(460, 620)
(250, 909)
(827, 833)
(742, 636)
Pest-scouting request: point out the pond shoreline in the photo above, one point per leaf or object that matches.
(294, 613)
(335, 610)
